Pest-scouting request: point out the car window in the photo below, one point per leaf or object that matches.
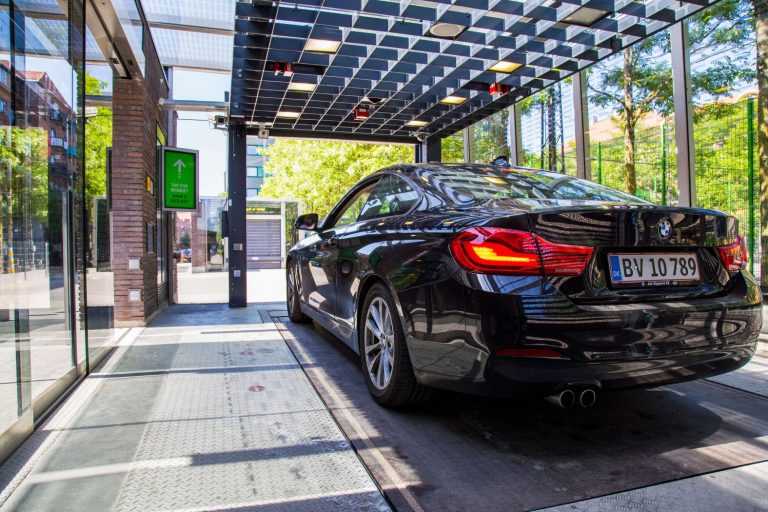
(351, 211)
(391, 196)
(466, 185)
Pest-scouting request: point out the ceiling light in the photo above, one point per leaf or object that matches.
(585, 16)
(285, 114)
(446, 30)
(504, 66)
(453, 100)
(321, 46)
(415, 123)
(301, 86)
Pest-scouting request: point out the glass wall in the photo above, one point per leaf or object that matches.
(41, 112)
(199, 245)
(546, 129)
(631, 128)
(489, 138)
(724, 92)
(98, 210)
(452, 148)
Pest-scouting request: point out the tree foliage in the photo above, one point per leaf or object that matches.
(317, 173)
(642, 82)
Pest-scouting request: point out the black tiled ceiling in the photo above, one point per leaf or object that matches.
(387, 53)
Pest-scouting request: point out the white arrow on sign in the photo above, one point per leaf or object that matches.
(179, 165)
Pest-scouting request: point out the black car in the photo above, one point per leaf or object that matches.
(495, 279)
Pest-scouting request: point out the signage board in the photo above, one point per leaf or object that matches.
(181, 179)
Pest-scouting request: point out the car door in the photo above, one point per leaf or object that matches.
(322, 258)
(392, 196)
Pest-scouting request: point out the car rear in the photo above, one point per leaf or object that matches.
(610, 297)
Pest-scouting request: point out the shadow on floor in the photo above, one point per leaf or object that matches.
(526, 454)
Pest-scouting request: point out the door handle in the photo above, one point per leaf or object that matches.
(331, 242)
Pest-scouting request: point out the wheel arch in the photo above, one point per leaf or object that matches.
(365, 286)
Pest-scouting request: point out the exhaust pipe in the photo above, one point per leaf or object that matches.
(565, 399)
(587, 398)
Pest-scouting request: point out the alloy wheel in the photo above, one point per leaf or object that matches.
(379, 343)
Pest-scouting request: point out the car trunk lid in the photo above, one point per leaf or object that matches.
(625, 230)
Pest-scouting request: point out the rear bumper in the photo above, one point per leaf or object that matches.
(508, 375)
(610, 346)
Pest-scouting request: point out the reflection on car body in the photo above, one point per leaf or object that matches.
(494, 279)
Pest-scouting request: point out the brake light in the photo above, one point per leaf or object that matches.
(509, 251)
(734, 256)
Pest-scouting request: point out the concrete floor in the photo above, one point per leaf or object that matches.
(218, 409)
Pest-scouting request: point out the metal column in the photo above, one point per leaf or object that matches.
(514, 136)
(236, 186)
(468, 134)
(681, 86)
(429, 150)
(581, 127)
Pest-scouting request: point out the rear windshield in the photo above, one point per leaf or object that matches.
(465, 185)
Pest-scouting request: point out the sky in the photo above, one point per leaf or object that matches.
(195, 129)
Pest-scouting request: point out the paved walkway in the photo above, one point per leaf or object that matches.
(213, 409)
(205, 410)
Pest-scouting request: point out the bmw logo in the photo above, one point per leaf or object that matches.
(665, 228)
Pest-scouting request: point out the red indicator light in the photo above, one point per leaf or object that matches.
(497, 88)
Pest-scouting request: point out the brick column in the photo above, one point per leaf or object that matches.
(199, 240)
(135, 118)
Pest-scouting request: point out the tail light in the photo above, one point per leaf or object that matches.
(509, 251)
(734, 256)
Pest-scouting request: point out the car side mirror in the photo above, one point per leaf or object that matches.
(307, 222)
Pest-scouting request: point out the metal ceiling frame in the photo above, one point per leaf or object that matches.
(387, 53)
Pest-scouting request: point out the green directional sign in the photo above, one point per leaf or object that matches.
(180, 179)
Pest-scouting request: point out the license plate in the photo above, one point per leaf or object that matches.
(653, 269)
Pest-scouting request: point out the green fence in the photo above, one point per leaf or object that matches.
(726, 157)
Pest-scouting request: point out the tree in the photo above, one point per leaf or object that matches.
(490, 137)
(761, 32)
(452, 148)
(317, 173)
(643, 82)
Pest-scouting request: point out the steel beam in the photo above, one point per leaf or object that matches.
(237, 241)
(429, 150)
(467, 135)
(515, 139)
(356, 137)
(581, 126)
(434, 149)
(681, 87)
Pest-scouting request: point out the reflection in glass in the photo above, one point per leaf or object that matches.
(39, 191)
(9, 280)
(489, 138)
(547, 129)
(98, 205)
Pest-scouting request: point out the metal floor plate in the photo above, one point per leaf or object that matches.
(460, 453)
(230, 423)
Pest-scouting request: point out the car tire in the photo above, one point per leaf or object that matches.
(292, 298)
(400, 388)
